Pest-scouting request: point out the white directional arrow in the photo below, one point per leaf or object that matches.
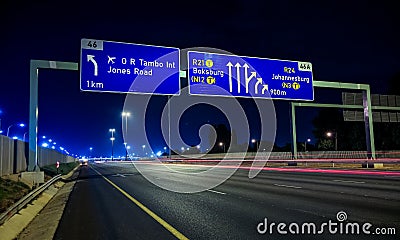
(265, 88)
(247, 78)
(230, 65)
(259, 81)
(91, 59)
(238, 75)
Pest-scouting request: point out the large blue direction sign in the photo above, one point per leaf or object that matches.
(231, 75)
(129, 68)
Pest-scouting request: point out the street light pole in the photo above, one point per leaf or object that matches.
(335, 141)
(305, 144)
(126, 115)
(126, 152)
(24, 136)
(256, 142)
(221, 144)
(128, 147)
(330, 134)
(112, 130)
(8, 129)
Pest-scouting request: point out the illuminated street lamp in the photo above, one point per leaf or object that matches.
(305, 144)
(112, 130)
(20, 124)
(127, 148)
(221, 144)
(256, 142)
(333, 134)
(143, 146)
(125, 115)
(90, 149)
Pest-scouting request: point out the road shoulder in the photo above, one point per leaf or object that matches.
(45, 224)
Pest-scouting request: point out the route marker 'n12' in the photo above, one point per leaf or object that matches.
(215, 74)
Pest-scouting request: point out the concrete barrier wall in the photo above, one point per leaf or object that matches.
(6, 155)
(49, 156)
(14, 156)
(21, 158)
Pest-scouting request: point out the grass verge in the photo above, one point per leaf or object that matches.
(10, 192)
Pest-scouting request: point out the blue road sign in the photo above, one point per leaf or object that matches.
(107, 66)
(230, 75)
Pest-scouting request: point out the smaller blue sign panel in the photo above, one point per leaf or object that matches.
(235, 76)
(107, 66)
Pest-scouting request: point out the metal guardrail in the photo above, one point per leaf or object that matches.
(26, 199)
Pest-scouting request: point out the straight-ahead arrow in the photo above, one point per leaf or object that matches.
(238, 75)
(91, 59)
(230, 65)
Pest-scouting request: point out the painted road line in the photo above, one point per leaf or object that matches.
(347, 181)
(222, 193)
(118, 175)
(166, 225)
(288, 186)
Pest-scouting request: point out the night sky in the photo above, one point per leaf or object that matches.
(346, 41)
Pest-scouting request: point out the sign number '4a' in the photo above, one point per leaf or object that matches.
(305, 66)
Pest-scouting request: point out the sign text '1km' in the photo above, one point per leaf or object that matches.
(129, 68)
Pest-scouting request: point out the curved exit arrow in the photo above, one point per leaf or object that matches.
(265, 88)
(259, 81)
(91, 59)
(247, 81)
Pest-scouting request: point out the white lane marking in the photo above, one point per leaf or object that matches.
(347, 181)
(118, 175)
(216, 191)
(288, 186)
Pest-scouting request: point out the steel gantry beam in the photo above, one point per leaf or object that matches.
(369, 128)
(35, 65)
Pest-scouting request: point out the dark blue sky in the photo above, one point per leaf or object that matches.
(347, 41)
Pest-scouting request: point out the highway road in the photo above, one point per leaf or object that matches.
(114, 201)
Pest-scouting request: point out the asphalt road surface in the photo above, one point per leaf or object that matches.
(114, 201)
